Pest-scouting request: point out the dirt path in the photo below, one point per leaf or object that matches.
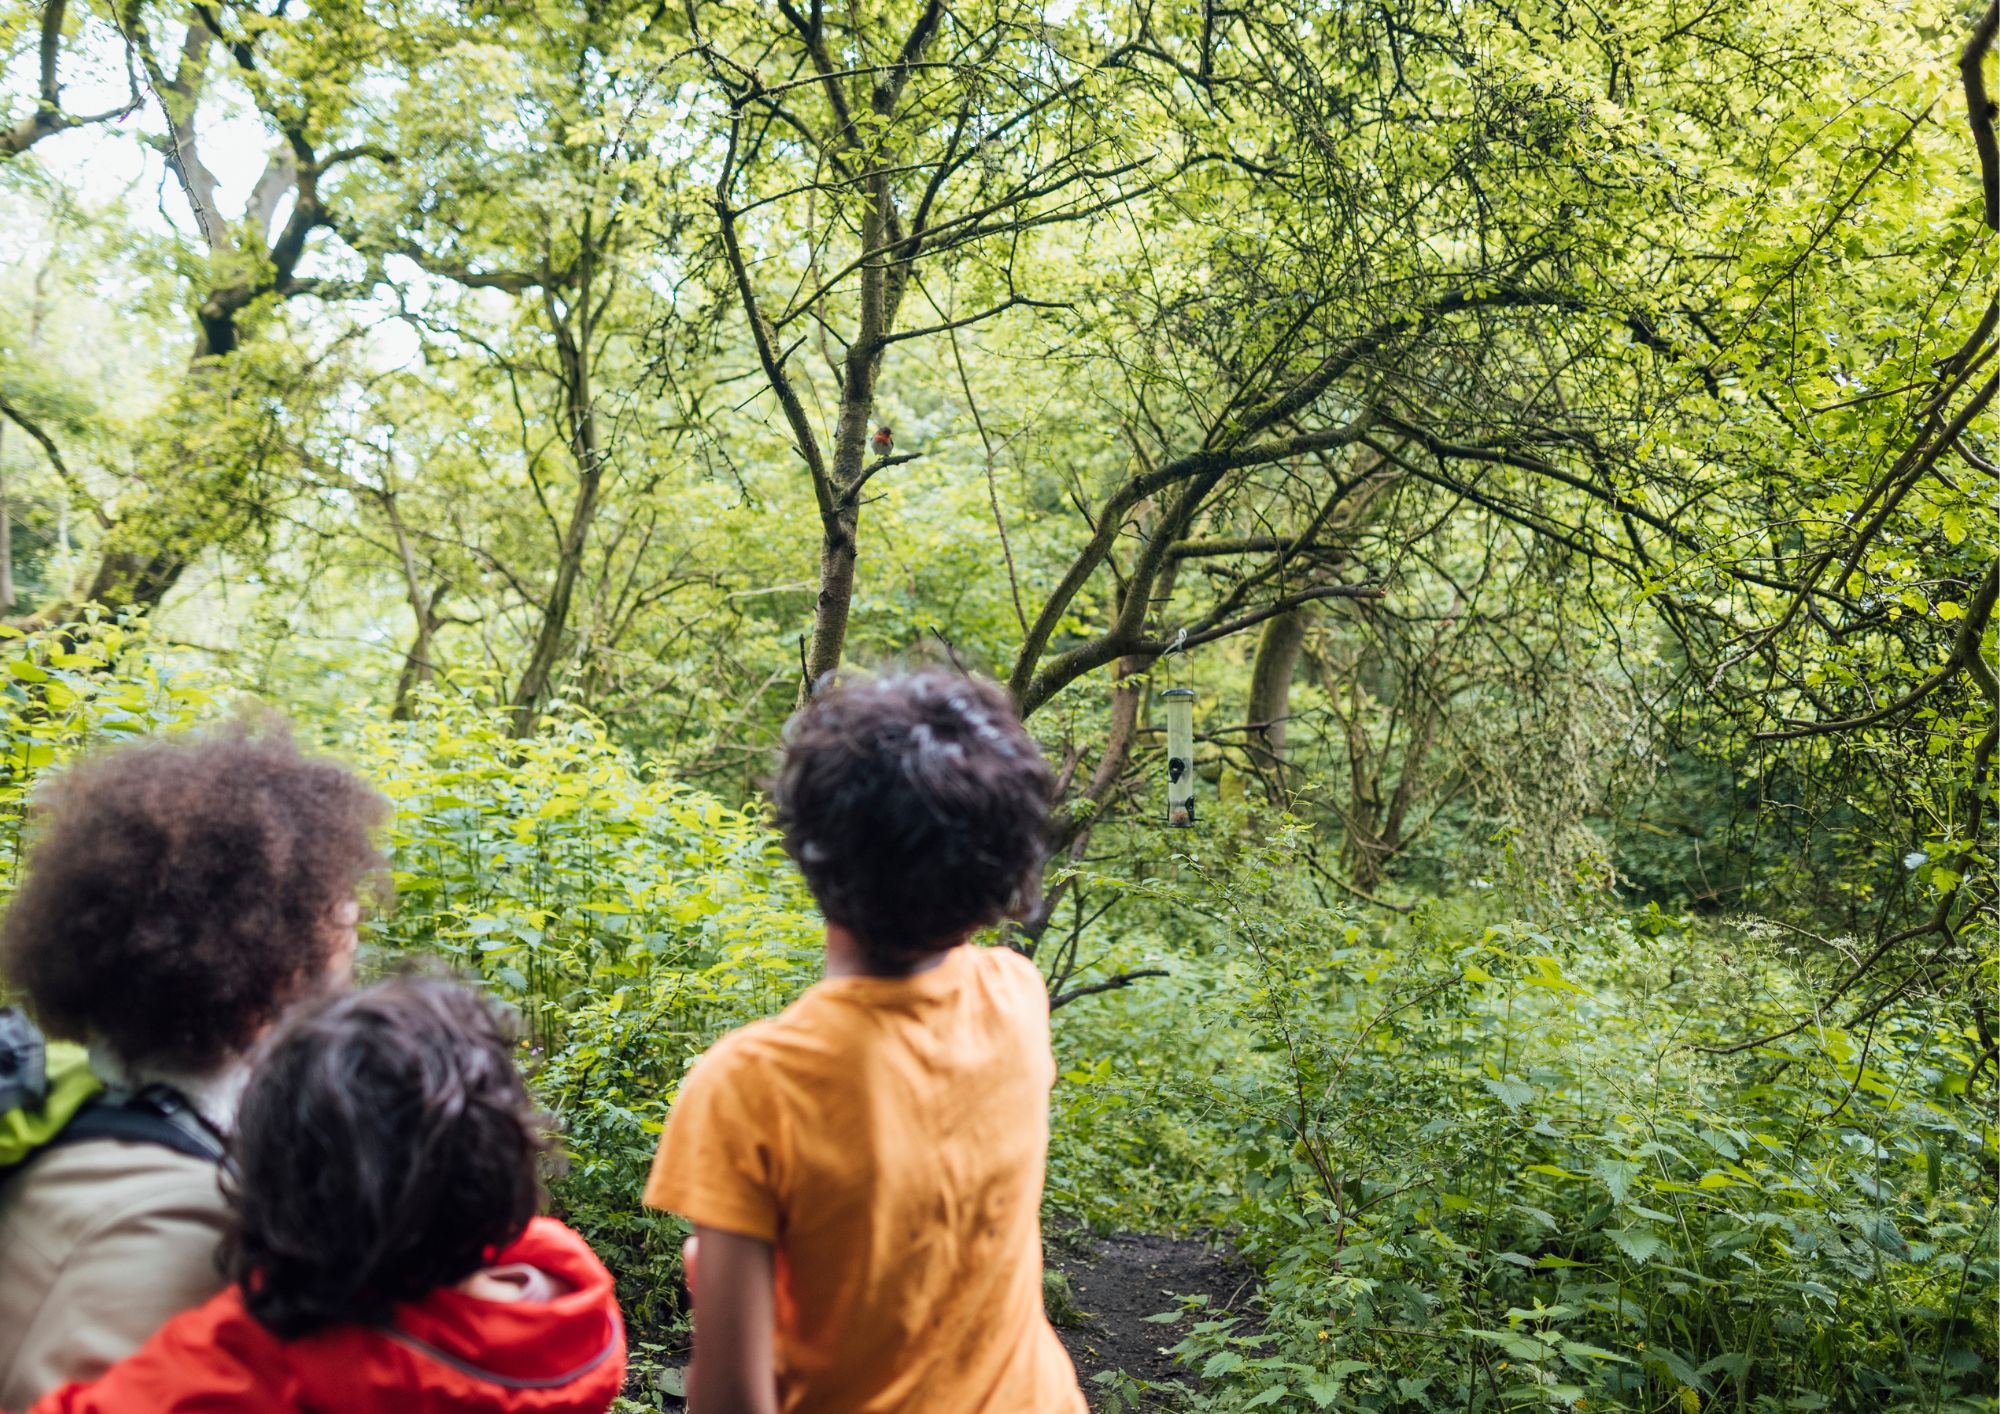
(1116, 1282)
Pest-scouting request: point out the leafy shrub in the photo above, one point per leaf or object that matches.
(631, 918)
(91, 683)
(1489, 1164)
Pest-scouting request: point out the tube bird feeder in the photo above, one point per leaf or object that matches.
(1180, 757)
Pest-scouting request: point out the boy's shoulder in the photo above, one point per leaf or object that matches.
(820, 1024)
(746, 1046)
(769, 1044)
(1013, 978)
(1009, 963)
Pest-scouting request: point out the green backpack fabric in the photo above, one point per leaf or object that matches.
(43, 1086)
(49, 1095)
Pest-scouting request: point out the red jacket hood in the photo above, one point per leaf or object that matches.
(449, 1353)
(452, 1353)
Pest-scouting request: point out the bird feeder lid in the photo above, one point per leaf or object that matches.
(1177, 692)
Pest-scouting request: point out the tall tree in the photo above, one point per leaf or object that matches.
(196, 486)
(864, 153)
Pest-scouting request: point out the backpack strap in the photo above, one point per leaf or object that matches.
(157, 1114)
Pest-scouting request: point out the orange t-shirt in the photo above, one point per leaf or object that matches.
(887, 1136)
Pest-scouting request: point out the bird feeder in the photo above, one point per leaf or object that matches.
(1180, 757)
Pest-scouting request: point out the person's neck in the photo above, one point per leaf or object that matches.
(214, 1093)
(846, 957)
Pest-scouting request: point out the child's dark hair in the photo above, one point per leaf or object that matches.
(386, 1146)
(916, 806)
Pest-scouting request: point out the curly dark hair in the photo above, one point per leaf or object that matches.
(177, 892)
(917, 807)
(386, 1146)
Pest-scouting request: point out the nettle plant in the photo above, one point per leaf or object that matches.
(1507, 1164)
(87, 684)
(631, 918)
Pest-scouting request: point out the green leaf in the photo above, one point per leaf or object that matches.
(1616, 1176)
(1581, 1354)
(1322, 1392)
(1635, 1242)
(1221, 1363)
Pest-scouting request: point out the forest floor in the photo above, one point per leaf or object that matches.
(1116, 1282)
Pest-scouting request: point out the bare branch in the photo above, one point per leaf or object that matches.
(1109, 984)
(1965, 657)
(76, 488)
(852, 495)
(1011, 302)
(48, 118)
(1270, 611)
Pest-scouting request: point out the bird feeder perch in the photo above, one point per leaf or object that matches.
(1180, 757)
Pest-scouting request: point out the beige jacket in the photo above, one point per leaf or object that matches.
(100, 1242)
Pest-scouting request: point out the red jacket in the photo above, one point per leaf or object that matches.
(449, 1353)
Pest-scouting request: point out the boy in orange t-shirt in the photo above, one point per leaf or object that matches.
(864, 1170)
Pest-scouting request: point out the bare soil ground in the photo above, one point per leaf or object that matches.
(1119, 1280)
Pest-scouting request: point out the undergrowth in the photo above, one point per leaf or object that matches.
(1505, 1152)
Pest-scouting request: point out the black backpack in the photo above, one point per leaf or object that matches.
(152, 1114)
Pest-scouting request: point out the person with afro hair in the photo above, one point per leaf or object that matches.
(176, 897)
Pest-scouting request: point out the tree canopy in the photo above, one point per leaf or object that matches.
(1556, 441)
(1484, 362)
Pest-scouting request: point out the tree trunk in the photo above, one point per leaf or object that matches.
(418, 667)
(532, 692)
(6, 536)
(188, 505)
(1410, 782)
(580, 411)
(840, 522)
(1071, 829)
(415, 672)
(195, 502)
(836, 597)
(131, 578)
(1271, 697)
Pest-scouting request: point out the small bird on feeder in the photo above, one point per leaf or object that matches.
(883, 440)
(1180, 757)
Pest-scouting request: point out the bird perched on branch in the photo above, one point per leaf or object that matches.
(883, 440)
